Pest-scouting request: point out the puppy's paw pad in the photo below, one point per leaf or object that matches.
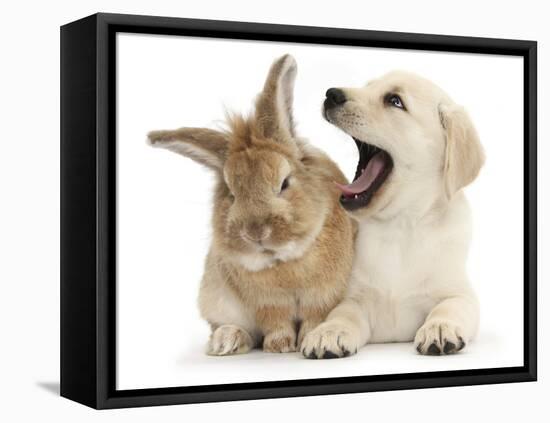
(450, 347)
(433, 349)
(330, 340)
(439, 337)
(330, 354)
(228, 340)
(277, 342)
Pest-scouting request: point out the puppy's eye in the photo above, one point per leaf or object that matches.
(395, 101)
(284, 185)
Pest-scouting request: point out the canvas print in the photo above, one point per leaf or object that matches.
(284, 204)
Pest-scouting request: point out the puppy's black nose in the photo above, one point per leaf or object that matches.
(335, 97)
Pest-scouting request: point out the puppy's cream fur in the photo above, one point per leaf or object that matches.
(409, 278)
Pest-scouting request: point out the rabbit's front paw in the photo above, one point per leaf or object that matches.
(280, 341)
(229, 339)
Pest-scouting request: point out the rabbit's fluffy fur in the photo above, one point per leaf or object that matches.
(409, 279)
(282, 246)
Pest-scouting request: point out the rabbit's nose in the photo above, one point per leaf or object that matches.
(256, 232)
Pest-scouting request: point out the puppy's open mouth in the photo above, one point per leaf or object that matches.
(372, 171)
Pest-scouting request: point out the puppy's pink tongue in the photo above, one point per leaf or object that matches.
(375, 166)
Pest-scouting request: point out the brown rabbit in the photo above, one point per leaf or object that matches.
(282, 246)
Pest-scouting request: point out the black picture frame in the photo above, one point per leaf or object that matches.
(88, 206)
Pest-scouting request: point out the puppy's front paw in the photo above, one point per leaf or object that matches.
(305, 327)
(439, 337)
(229, 339)
(280, 342)
(330, 340)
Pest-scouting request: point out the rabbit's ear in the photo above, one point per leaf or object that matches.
(464, 155)
(205, 146)
(274, 104)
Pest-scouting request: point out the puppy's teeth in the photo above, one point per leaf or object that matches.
(356, 196)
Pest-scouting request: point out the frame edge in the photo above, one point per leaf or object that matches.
(78, 349)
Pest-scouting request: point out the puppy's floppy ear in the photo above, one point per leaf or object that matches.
(274, 104)
(205, 146)
(464, 155)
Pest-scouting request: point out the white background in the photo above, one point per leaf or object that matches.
(29, 175)
(164, 200)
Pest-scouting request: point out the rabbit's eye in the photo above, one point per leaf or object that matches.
(284, 185)
(231, 197)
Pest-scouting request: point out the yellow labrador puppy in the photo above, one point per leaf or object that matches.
(417, 150)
